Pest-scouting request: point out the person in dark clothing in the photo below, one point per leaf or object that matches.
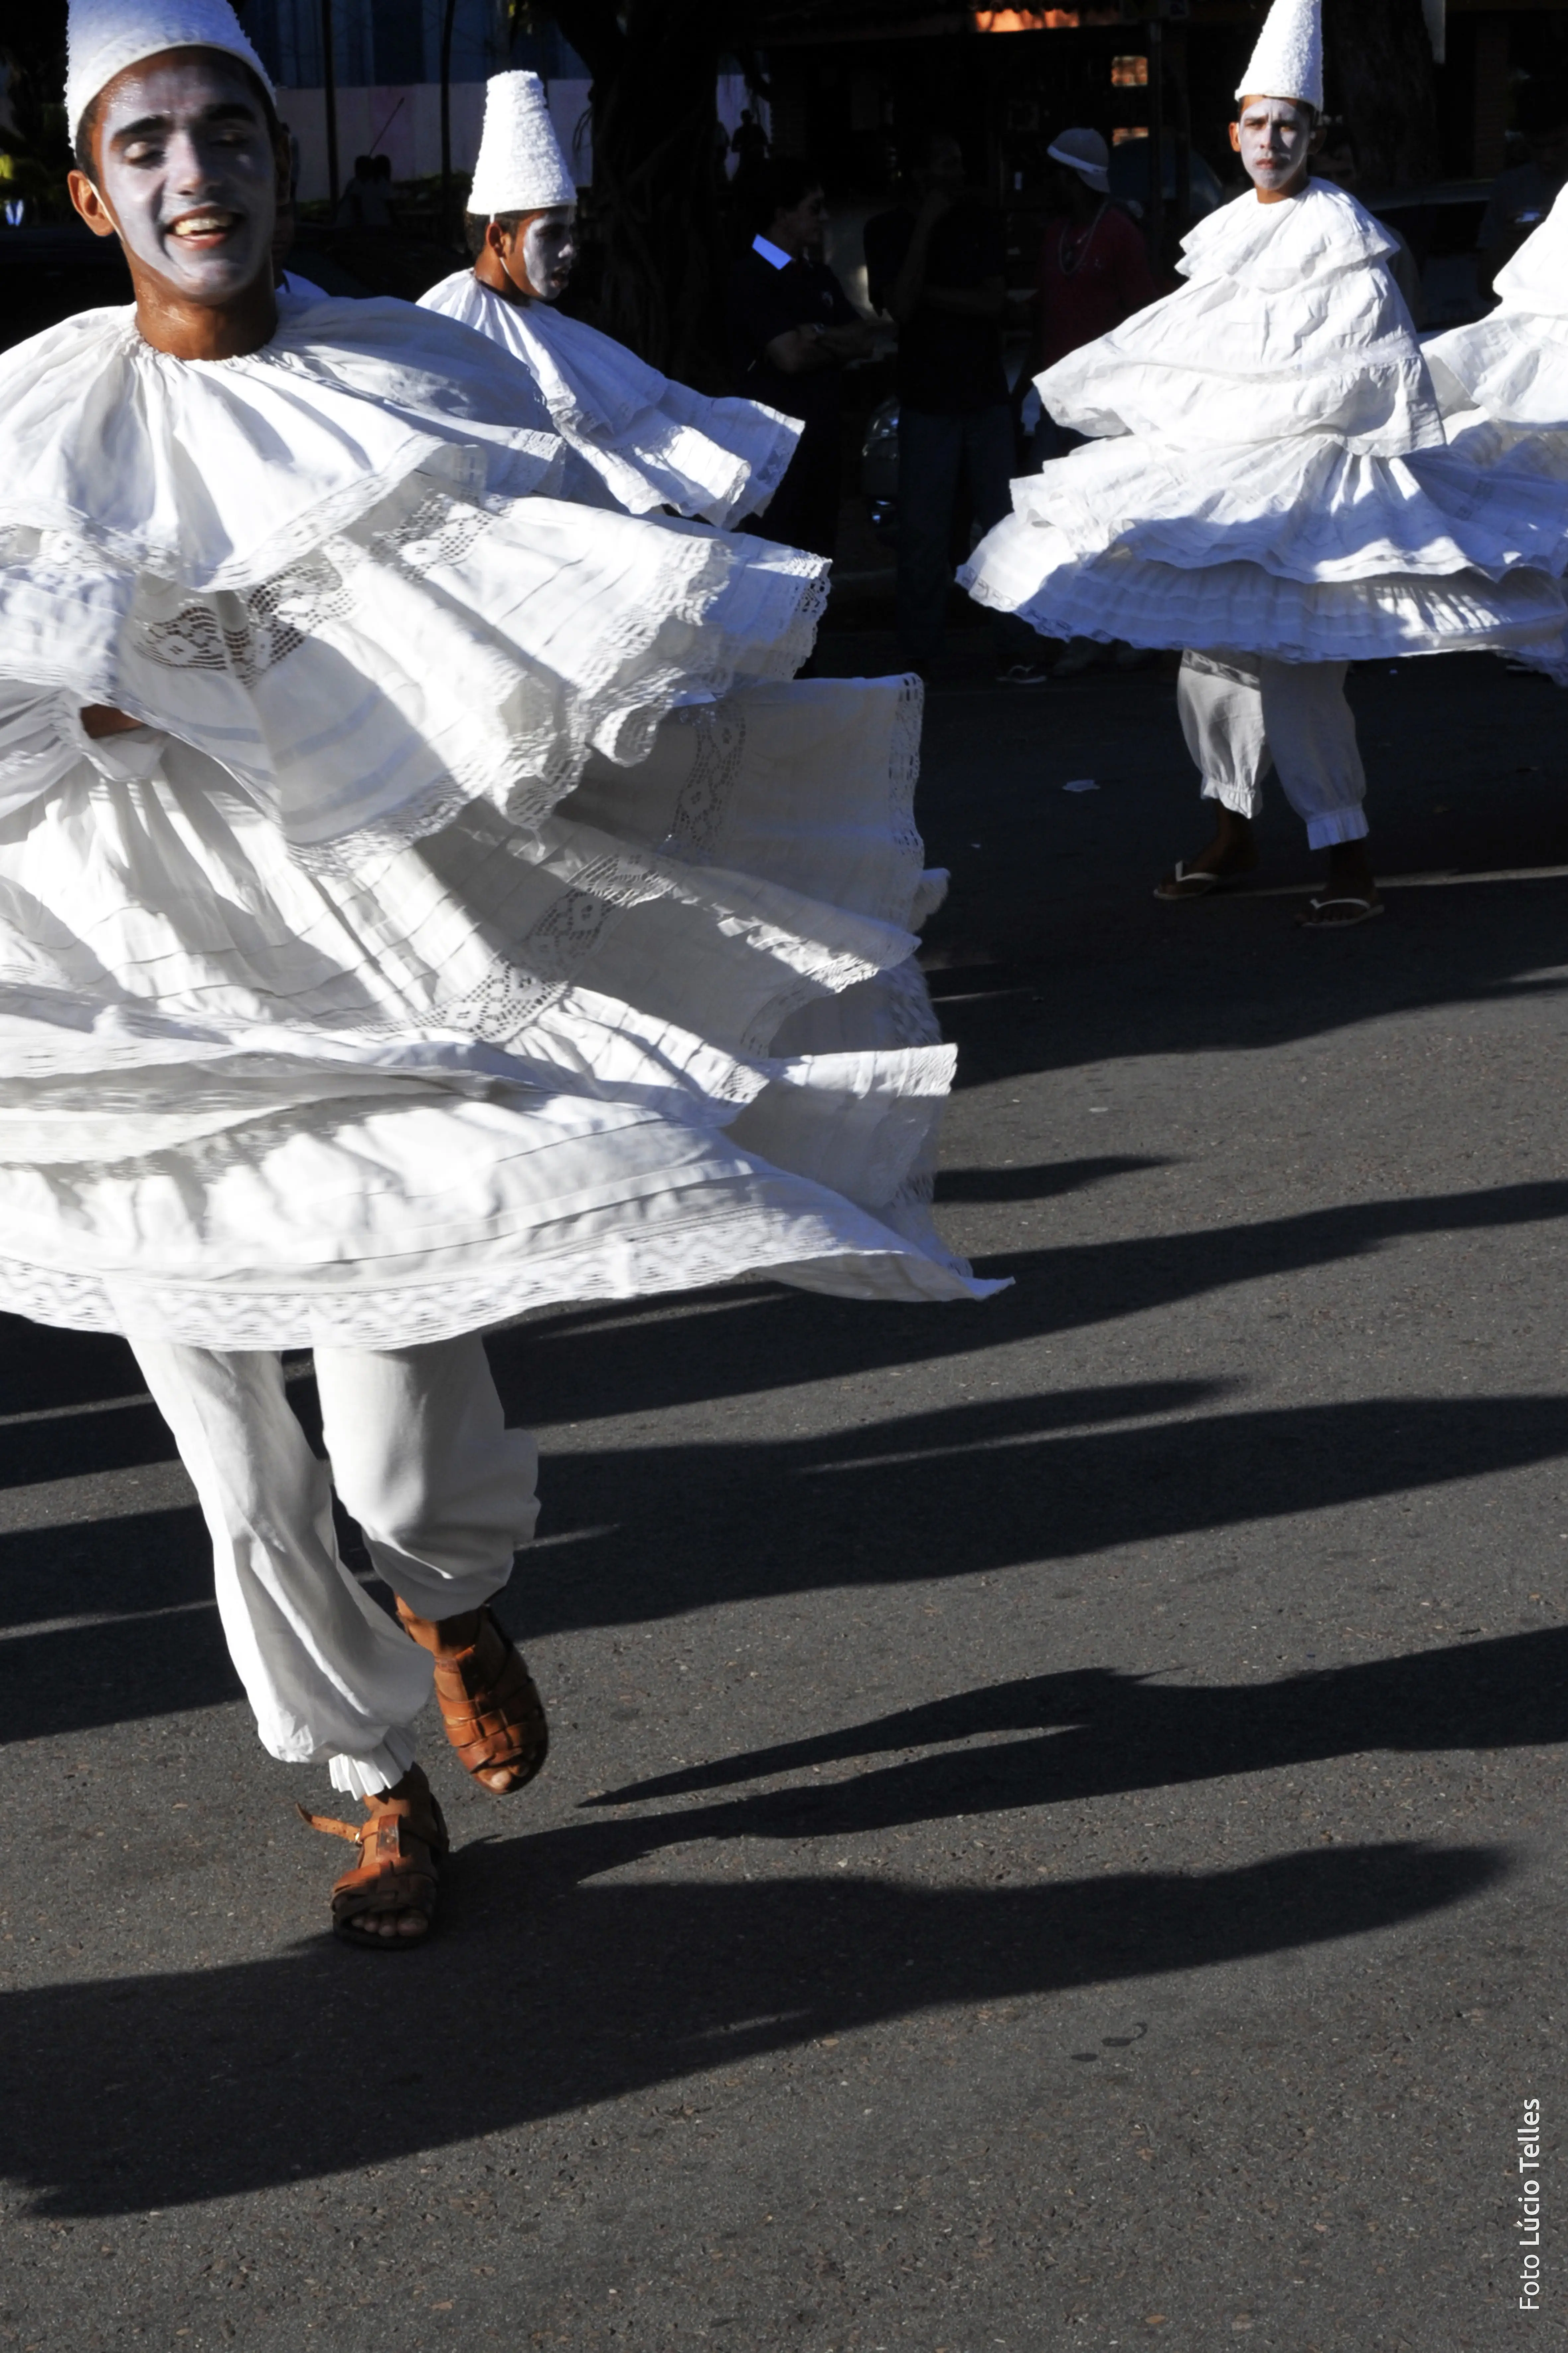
(749, 144)
(793, 332)
(1093, 269)
(362, 204)
(1093, 273)
(938, 271)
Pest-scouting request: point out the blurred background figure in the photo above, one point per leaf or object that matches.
(1523, 196)
(937, 270)
(1093, 271)
(793, 332)
(364, 203)
(748, 147)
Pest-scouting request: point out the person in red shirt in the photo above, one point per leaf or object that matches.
(1093, 273)
(1093, 270)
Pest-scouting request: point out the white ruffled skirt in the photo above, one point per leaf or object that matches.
(1297, 549)
(667, 1034)
(451, 644)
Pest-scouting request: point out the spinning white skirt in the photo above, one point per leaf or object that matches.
(1272, 474)
(479, 920)
(640, 439)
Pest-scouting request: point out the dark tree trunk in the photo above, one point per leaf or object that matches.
(658, 201)
(1379, 56)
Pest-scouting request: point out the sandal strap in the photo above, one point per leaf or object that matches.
(402, 1843)
(354, 1830)
(490, 1703)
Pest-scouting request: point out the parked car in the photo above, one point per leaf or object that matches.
(1130, 177)
(1440, 221)
(49, 273)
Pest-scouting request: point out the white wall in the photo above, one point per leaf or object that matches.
(412, 132)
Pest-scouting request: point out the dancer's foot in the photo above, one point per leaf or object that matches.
(1350, 895)
(1222, 864)
(490, 1702)
(388, 1901)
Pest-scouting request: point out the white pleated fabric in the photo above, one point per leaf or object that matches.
(335, 566)
(645, 441)
(1512, 367)
(459, 937)
(1272, 473)
(1502, 385)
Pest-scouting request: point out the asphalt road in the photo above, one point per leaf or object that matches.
(1053, 1837)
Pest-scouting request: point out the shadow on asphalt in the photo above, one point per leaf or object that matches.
(548, 1995)
(1107, 1733)
(666, 1530)
(1090, 987)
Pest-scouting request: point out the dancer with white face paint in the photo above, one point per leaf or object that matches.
(637, 440)
(422, 899)
(1271, 492)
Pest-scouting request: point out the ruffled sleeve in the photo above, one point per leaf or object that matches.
(650, 442)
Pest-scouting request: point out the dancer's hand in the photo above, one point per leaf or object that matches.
(101, 719)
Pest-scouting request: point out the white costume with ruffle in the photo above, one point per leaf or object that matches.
(648, 442)
(1273, 472)
(1511, 368)
(480, 919)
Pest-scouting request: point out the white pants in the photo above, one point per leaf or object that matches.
(1241, 712)
(420, 1454)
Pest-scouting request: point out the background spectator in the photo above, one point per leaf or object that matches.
(938, 270)
(363, 204)
(1093, 269)
(793, 332)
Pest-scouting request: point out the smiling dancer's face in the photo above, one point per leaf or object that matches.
(186, 174)
(1276, 139)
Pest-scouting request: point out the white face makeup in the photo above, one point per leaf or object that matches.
(185, 166)
(549, 243)
(1273, 137)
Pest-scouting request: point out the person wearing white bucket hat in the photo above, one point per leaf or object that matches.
(1086, 153)
(642, 441)
(421, 899)
(1092, 273)
(1270, 491)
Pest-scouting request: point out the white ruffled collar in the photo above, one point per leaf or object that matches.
(213, 474)
(1276, 247)
(590, 383)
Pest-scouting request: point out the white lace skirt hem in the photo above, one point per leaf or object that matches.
(1033, 572)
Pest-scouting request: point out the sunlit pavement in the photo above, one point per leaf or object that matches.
(1053, 1832)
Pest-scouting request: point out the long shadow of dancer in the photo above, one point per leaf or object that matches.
(156, 2091)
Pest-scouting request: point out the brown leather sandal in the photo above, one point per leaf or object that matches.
(490, 1703)
(402, 1848)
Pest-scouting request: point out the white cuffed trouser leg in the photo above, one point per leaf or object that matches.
(422, 1458)
(1240, 712)
(1222, 719)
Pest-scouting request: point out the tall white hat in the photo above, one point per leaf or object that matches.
(1288, 59)
(107, 36)
(521, 167)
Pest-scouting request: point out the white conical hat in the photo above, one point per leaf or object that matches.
(521, 167)
(107, 36)
(1288, 59)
